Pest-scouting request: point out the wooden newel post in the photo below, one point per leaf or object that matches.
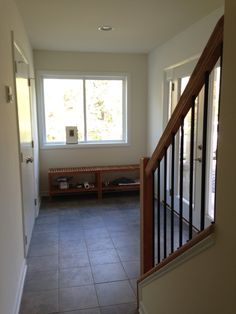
(146, 218)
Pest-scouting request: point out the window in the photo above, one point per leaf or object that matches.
(97, 106)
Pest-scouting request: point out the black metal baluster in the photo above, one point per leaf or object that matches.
(181, 170)
(204, 151)
(158, 213)
(191, 170)
(165, 209)
(153, 221)
(172, 191)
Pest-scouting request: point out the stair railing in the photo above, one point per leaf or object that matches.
(153, 170)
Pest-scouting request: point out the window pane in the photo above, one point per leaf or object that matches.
(63, 105)
(104, 110)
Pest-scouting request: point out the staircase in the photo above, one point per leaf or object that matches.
(169, 231)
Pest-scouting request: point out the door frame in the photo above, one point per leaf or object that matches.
(175, 75)
(14, 46)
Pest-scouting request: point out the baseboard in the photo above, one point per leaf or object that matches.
(38, 206)
(37, 212)
(40, 201)
(44, 193)
(185, 257)
(20, 288)
(142, 309)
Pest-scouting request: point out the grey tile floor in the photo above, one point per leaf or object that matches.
(84, 257)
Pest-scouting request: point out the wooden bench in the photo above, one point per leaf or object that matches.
(98, 186)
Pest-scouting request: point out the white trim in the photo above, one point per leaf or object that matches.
(85, 110)
(44, 193)
(142, 309)
(77, 74)
(20, 288)
(186, 256)
(190, 60)
(125, 77)
(38, 206)
(84, 145)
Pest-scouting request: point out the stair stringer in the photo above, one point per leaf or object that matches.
(183, 258)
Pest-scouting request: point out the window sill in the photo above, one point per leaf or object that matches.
(84, 145)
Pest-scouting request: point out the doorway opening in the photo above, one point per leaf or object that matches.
(175, 87)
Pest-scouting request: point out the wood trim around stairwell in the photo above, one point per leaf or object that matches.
(206, 63)
(195, 240)
(146, 218)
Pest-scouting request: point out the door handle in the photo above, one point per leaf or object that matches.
(198, 159)
(29, 159)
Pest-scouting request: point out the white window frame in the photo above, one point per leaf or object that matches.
(72, 75)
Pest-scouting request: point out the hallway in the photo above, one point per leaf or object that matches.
(84, 257)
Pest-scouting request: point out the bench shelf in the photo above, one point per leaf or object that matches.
(97, 173)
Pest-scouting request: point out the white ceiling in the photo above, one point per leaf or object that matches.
(139, 25)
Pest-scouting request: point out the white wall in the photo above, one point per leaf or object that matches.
(206, 284)
(12, 262)
(179, 49)
(133, 64)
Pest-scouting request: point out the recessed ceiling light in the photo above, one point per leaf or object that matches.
(105, 28)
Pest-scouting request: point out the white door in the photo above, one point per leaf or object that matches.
(26, 144)
(212, 139)
(176, 88)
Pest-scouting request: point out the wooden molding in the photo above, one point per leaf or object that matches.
(147, 218)
(197, 239)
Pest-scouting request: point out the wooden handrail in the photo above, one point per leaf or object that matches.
(206, 63)
(195, 240)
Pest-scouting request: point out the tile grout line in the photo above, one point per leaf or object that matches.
(89, 259)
